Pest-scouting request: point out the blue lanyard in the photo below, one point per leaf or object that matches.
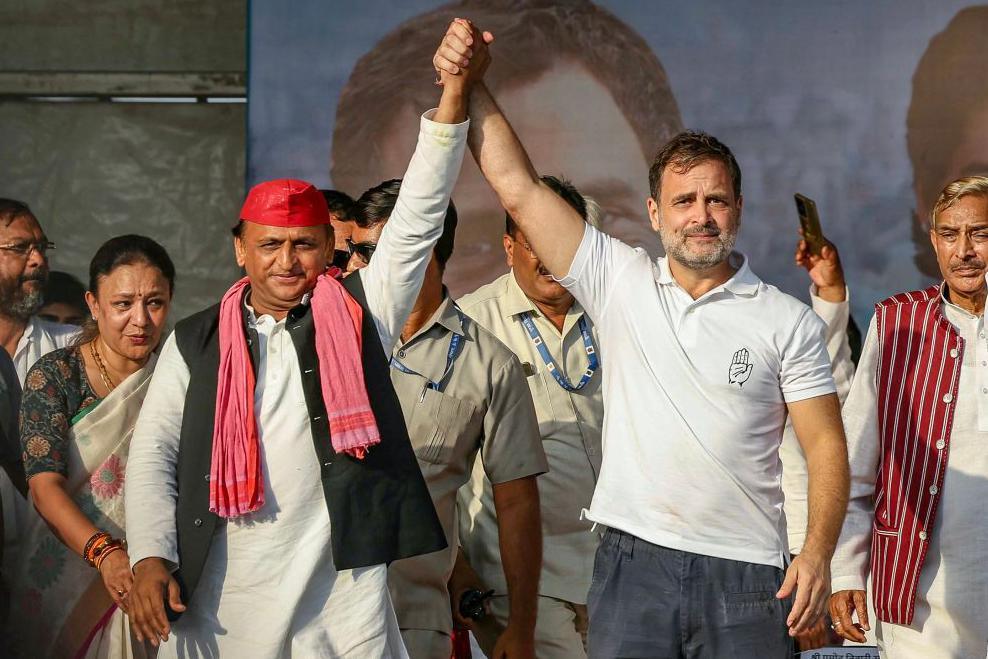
(593, 363)
(455, 346)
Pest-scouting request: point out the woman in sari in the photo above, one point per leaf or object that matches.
(78, 411)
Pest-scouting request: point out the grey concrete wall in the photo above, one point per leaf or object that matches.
(92, 170)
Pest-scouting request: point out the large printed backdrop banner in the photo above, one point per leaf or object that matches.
(866, 107)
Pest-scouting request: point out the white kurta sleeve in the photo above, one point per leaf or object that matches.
(394, 276)
(151, 489)
(836, 316)
(849, 568)
(795, 478)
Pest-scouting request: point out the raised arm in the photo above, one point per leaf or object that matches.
(552, 227)
(393, 278)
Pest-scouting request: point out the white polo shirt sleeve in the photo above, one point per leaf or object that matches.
(596, 268)
(806, 371)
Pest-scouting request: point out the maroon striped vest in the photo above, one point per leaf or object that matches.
(919, 367)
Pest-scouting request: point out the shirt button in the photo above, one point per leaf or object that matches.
(941, 444)
(948, 398)
(922, 535)
(934, 489)
(953, 353)
(984, 363)
(197, 522)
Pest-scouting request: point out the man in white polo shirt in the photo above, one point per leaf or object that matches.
(701, 362)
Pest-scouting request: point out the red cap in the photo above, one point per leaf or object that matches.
(285, 202)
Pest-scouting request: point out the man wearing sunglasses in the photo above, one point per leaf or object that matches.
(360, 253)
(340, 206)
(462, 392)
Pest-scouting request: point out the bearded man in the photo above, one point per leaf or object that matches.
(23, 275)
(26, 337)
(702, 364)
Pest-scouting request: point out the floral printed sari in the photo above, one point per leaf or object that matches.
(59, 605)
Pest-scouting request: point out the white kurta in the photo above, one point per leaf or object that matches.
(269, 588)
(950, 619)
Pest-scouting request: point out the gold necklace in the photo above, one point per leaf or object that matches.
(104, 375)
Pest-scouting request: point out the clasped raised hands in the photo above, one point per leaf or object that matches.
(462, 57)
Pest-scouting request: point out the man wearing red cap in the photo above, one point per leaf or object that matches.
(271, 478)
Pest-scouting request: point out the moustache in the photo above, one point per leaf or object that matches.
(702, 231)
(968, 265)
(36, 276)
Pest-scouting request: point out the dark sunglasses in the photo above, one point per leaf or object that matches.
(364, 250)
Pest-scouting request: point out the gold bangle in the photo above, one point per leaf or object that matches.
(102, 557)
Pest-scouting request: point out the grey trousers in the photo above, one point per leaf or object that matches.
(651, 602)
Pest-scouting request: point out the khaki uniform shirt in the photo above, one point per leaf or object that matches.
(483, 405)
(570, 425)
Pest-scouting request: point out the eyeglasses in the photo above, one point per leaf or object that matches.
(23, 250)
(364, 250)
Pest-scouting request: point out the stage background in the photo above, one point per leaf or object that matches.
(812, 97)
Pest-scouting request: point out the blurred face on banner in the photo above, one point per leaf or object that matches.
(590, 110)
(571, 126)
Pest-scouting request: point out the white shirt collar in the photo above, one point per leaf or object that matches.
(744, 281)
(943, 296)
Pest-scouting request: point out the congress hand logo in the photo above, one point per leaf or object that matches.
(740, 368)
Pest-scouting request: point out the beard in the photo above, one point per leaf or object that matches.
(677, 246)
(18, 302)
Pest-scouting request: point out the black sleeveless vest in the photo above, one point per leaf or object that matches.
(379, 507)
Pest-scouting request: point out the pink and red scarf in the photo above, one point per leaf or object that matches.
(236, 483)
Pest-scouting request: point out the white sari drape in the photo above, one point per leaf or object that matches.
(59, 605)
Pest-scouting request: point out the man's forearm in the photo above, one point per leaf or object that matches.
(498, 151)
(551, 225)
(829, 483)
(828, 491)
(452, 104)
(520, 539)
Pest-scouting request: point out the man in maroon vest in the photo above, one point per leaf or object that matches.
(917, 424)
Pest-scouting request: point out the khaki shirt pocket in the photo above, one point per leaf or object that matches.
(443, 428)
(538, 384)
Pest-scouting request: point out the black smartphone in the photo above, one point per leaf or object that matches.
(809, 220)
